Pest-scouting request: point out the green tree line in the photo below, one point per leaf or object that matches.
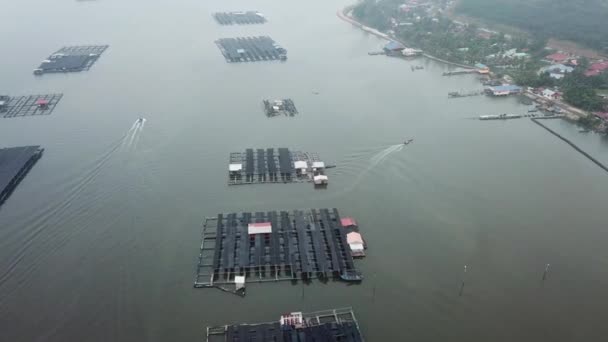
(582, 21)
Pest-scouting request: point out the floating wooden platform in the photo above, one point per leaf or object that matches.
(321, 326)
(239, 18)
(272, 166)
(71, 59)
(28, 105)
(15, 163)
(280, 107)
(300, 244)
(250, 49)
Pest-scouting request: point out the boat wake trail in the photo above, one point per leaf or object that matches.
(375, 160)
(134, 133)
(70, 198)
(380, 156)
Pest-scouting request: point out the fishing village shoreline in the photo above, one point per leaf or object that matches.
(562, 110)
(570, 113)
(344, 14)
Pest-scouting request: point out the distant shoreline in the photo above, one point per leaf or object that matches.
(344, 15)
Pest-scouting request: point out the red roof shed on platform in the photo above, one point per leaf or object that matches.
(42, 102)
(348, 221)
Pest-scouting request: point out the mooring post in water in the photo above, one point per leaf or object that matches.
(546, 271)
(464, 274)
(374, 289)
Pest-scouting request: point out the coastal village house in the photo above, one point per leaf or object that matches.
(393, 48)
(482, 68)
(556, 71)
(503, 90)
(602, 115)
(550, 94)
(596, 68)
(557, 58)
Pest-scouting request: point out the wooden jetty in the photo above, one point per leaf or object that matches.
(28, 105)
(250, 49)
(459, 72)
(15, 163)
(280, 107)
(518, 116)
(274, 166)
(457, 94)
(239, 18)
(500, 117)
(321, 326)
(274, 246)
(71, 59)
(573, 145)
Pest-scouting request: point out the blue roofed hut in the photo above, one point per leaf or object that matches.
(393, 48)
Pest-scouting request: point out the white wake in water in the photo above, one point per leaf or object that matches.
(380, 156)
(134, 134)
(375, 160)
(69, 200)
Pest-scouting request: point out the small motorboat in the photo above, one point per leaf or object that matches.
(408, 141)
(140, 120)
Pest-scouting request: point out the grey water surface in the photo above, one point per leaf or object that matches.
(100, 240)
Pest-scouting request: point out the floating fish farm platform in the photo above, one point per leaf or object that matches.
(71, 59)
(15, 163)
(239, 18)
(274, 166)
(322, 326)
(274, 246)
(250, 49)
(280, 107)
(29, 105)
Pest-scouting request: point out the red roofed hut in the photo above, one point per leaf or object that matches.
(557, 57)
(348, 222)
(601, 115)
(601, 66)
(42, 103)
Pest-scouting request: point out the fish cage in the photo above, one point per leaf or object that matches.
(71, 59)
(274, 246)
(321, 326)
(15, 163)
(28, 105)
(250, 49)
(274, 166)
(239, 18)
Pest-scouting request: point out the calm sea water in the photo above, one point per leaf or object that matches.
(100, 241)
